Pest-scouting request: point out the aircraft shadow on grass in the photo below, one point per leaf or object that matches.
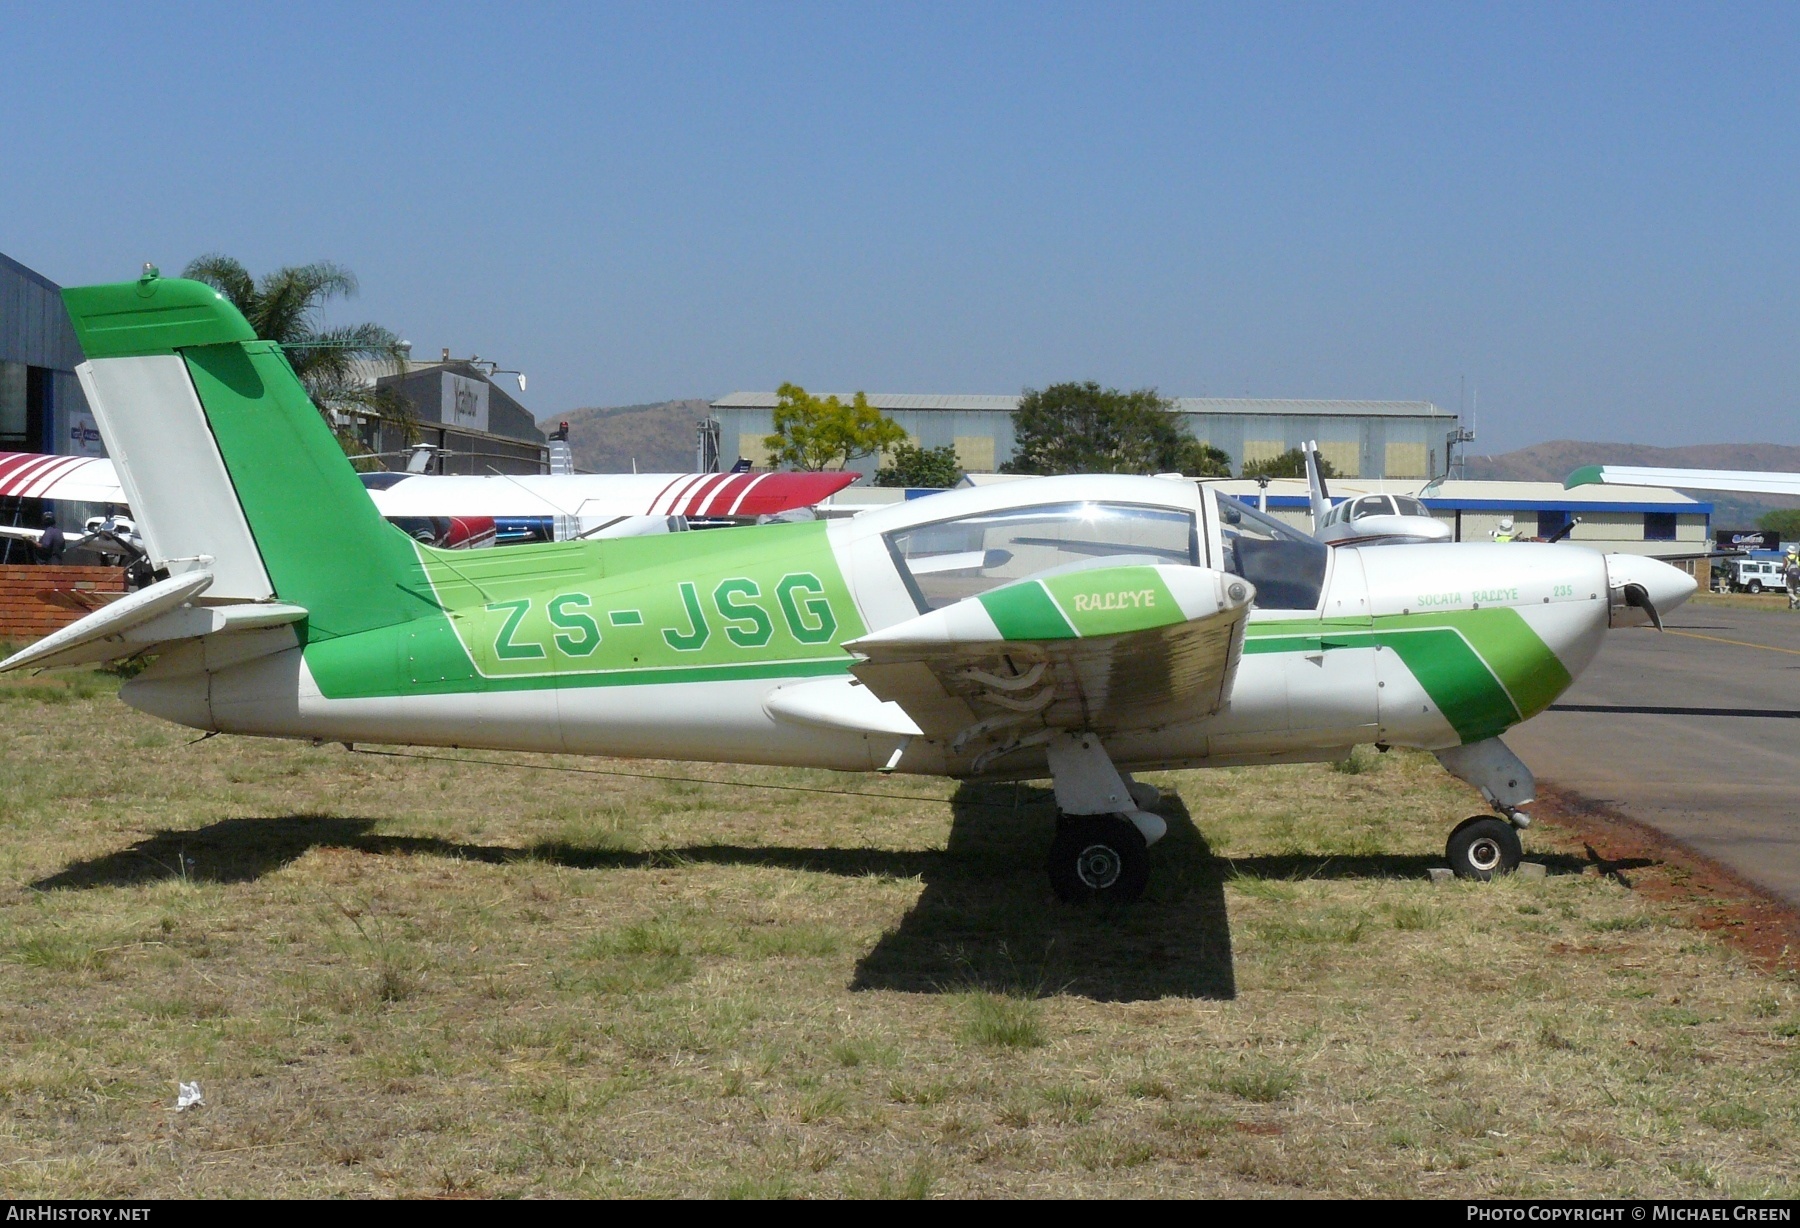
(985, 920)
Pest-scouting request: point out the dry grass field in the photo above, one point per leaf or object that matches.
(402, 977)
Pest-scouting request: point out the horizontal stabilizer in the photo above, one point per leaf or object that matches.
(160, 614)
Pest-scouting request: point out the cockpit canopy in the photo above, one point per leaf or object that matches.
(949, 560)
(1376, 505)
(978, 542)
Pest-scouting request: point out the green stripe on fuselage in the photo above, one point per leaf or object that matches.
(1486, 670)
(523, 618)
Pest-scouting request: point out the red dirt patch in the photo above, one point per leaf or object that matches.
(1265, 1129)
(1711, 896)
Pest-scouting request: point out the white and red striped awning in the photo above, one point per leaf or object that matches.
(89, 479)
(745, 494)
(83, 479)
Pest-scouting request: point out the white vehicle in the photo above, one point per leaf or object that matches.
(1756, 575)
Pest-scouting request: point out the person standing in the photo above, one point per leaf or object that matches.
(1790, 571)
(1505, 532)
(52, 545)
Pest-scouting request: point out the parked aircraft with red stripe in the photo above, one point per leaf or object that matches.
(567, 505)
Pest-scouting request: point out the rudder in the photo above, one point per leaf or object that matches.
(227, 464)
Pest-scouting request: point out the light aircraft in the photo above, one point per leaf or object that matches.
(1367, 520)
(1077, 627)
(111, 537)
(461, 511)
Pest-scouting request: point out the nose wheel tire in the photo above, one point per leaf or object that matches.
(1483, 847)
(1098, 857)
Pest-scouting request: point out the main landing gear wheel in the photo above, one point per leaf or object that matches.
(1482, 847)
(1098, 857)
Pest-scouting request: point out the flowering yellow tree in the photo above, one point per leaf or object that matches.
(814, 433)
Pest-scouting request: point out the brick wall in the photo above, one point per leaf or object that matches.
(25, 615)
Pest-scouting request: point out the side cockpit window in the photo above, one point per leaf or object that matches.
(947, 561)
(1286, 565)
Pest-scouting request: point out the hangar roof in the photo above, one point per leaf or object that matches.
(1481, 496)
(1264, 406)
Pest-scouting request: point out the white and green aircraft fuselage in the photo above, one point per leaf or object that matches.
(1074, 627)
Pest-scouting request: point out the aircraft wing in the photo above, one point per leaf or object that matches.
(83, 479)
(595, 495)
(35, 536)
(1742, 481)
(92, 479)
(1092, 648)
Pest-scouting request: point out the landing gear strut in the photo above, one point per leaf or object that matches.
(1103, 836)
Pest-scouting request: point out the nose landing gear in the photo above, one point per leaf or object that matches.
(1484, 846)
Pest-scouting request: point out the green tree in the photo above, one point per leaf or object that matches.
(816, 434)
(913, 466)
(1784, 520)
(1084, 428)
(333, 363)
(1290, 464)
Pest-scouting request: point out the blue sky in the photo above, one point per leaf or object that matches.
(1588, 211)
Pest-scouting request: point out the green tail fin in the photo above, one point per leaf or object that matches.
(258, 443)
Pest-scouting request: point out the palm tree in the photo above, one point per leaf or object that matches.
(333, 363)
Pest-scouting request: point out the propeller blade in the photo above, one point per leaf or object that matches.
(1637, 595)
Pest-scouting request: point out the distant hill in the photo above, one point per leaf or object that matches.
(658, 437)
(1555, 460)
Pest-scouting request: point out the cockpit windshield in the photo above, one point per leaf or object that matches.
(1410, 506)
(1286, 565)
(953, 559)
(1372, 505)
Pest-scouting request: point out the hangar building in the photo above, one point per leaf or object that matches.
(1369, 439)
(455, 405)
(41, 405)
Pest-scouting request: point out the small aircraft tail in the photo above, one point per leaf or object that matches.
(227, 465)
(1319, 497)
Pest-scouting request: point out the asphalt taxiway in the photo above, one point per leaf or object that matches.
(1694, 731)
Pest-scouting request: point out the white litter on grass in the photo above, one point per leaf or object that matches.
(188, 1097)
